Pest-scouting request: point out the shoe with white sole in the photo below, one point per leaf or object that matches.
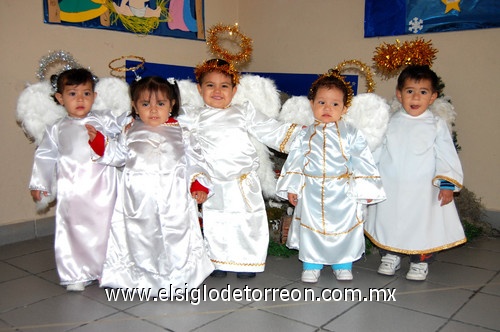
(343, 274)
(418, 271)
(310, 276)
(77, 286)
(390, 264)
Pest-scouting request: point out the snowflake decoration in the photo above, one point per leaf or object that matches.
(416, 24)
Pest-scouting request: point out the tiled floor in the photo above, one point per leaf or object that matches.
(462, 293)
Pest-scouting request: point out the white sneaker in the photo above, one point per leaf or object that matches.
(390, 264)
(78, 286)
(418, 271)
(343, 274)
(310, 276)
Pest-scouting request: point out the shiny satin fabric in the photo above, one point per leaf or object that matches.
(155, 239)
(234, 218)
(332, 170)
(86, 192)
(417, 153)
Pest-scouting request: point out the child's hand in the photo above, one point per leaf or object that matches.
(37, 194)
(445, 196)
(199, 196)
(92, 132)
(293, 199)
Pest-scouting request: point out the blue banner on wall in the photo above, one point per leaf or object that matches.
(291, 84)
(169, 18)
(402, 17)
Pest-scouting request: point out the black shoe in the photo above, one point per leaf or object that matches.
(218, 274)
(245, 275)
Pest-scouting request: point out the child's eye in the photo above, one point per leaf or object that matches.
(161, 103)
(72, 93)
(335, 104)
(209, 85)
(423, 92)
(145, 104)
(225, 86)
(321, 102)
(87, 94)
(409, 91)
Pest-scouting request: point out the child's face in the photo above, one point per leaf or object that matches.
(416, 96)
(77, 99)
(328, 105)
(217, 90)
(153, 108)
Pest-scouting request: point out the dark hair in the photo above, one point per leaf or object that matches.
(155, 84)
(417, 73)
(329, 82)
(75, 76)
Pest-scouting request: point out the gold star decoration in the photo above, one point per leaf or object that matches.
(451, 4)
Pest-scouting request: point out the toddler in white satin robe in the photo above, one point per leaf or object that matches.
(85, 190)
(329, 175)
(155, 240)
(235, 225)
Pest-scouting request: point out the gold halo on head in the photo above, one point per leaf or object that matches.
(245, 43)
(361, 68)
(214, 65)
(123, 68)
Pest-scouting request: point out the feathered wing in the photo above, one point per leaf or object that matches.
(36, 109)
(264, 96)
(112, 95)
(368, 112)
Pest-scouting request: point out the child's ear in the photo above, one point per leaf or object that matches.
(398, 95)
(59, 98)
(198, 86)
(433, 98)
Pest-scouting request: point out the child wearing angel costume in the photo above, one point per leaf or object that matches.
(235, 223)
(86, 190)
(420, 168)
(329, 176)
(155, 239)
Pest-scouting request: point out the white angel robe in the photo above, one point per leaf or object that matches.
(86, 193)
(418, 152)
(155, 240)
(332, 170)
(235, 225)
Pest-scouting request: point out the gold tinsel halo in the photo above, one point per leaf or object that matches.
(123, 68)
(245, 43)
(390, 58)
(211, 65)
(360, 67)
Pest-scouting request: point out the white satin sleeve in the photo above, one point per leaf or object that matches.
(197, 168)
(45, 162)
(364, 181)
(271, 132)
(291, 179)
(448, 166)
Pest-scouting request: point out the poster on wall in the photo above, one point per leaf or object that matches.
(406, 17)
(168, 18)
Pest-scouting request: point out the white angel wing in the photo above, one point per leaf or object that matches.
(368, 112)
(297, 109)
(264, 95)
(36, 109)
(112, 95)
(189, 93)
(441, 107)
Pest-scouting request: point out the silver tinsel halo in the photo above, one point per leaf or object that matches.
(56, 58)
